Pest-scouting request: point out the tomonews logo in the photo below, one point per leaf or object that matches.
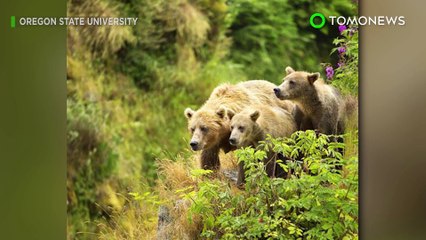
(318, 20)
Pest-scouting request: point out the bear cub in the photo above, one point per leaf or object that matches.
(322, 105)
(251, 125)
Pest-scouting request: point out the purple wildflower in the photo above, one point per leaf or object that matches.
(340, 64)
(329, 72)
(342, 28)
(341, 50)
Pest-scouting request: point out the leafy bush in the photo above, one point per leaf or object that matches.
(316, 201)
(345, 75)
(269, 35)
(173, 36)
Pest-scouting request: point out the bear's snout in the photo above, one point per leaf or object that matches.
(277, 92)
(194, 145)
(233, 141)
(280, 94)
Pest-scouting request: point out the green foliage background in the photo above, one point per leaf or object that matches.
(128, 87)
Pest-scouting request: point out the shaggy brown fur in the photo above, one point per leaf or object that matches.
(210, 127)
(253, 124)
(322, 105)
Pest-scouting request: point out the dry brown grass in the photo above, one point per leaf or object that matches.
(138, 220)
(104, 39)
(175, 175)
(176, 181)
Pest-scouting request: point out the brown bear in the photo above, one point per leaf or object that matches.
(251, 125)
(209, 125)
(321, 104)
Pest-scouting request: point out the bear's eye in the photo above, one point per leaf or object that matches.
(241, 128)
(292, 82)
(232, 127)
(204, 129)
(192, 129)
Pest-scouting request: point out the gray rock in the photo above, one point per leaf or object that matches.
(231, 175)
(164, 219)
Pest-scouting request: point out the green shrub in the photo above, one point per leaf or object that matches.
(269, 35)
(346, 72)
(316, 201)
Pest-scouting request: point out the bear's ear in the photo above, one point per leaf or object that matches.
(289, 70)
(313, 77)
(254, 116)
(230, 113)
(189, 113)
(221, 112)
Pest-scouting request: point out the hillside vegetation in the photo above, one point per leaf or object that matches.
(128, 151)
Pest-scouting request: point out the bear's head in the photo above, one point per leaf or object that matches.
(243, 127)
(207, 127)
(296, 84)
